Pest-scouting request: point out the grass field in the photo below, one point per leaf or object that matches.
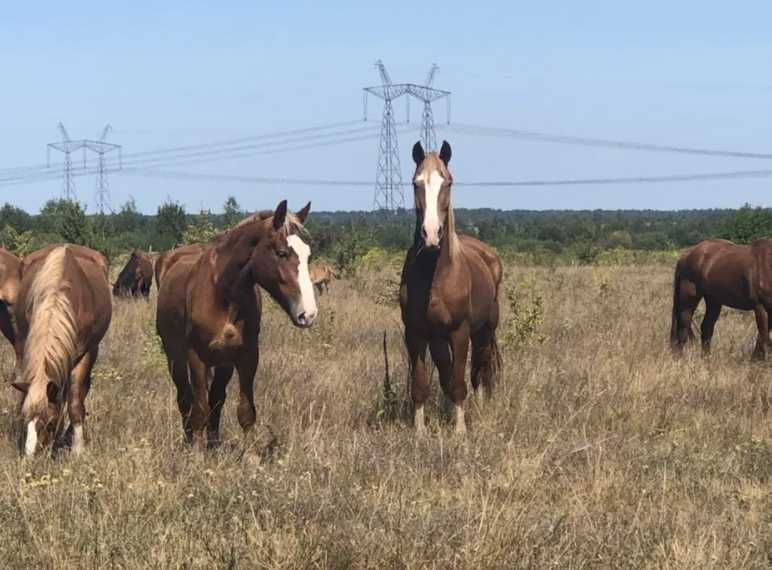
(599, 448)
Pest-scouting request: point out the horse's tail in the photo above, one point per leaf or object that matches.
(496, 362)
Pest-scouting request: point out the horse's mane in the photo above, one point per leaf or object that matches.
(52, 340)
(292, 225)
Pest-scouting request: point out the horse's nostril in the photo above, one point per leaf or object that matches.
(439, 230)
(423, 232)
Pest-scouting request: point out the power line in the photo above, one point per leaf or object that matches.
(596, 142)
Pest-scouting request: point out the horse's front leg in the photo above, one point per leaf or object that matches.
(419, 385)
(199, 414)
(80, 383)
(450, 358)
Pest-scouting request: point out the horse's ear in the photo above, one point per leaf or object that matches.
(303, 214)
(445, 152)
(52, 391)
(22, 387)
(280, 215)
(418, 153)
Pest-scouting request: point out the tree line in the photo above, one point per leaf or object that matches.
(578, 235)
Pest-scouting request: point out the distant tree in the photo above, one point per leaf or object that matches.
(747, 224)
(128, 219)
(232, 212)
(171, 222)
(73, 225)
(15, 217)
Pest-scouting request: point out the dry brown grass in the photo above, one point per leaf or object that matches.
(599, 450)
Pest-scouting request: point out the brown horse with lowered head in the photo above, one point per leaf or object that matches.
(136, 277)
(9, 289)
(209, 312)
(448, 294)
(723, 273)
(63, 312)
(322, 275)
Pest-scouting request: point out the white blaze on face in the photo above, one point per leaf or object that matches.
(431, 224)
(31, 441)
(306, 310)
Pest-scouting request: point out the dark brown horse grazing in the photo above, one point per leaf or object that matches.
(723, 273)
(9, 289)
(63, 311)
(449, 293)
(136, 277)
(209, 313)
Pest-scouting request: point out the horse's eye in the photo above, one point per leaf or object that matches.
(283, 253)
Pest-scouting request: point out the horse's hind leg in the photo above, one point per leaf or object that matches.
(222, 375)
(763, 343)
(685, 302)
(80, 383)
(484, 357)
(178, 369)
(199, 382)
(712, 312)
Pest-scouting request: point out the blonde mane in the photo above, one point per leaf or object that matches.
(52, 340)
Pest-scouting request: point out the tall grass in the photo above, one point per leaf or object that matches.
(599, 449)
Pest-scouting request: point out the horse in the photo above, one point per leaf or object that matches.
(9, 289)
(136, 277)
(168, 258)
(63, 311)
(321, 276)
(209, 310)
(722, 273)
(448, 294)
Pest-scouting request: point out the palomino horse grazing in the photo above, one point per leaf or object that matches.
(321, 276)
(63, 311)
(209, 312)
(136, 277)
(9, 290)
(448, 294)
(723, 273)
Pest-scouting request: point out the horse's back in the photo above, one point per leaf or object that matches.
(482, 256)
(172, 297)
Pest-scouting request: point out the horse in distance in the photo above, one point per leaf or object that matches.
(322, 275)
(136, 277)
(10, 267)
(723, 274)
(448, 294)
(63, 311)
(209, 310)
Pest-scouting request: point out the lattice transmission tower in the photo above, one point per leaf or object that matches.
(389, 194)
(67, 146)
(388, 178)
(101, 148)
(103, 184)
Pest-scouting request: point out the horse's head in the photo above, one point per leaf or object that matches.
(431, 184)
(40, 416)
(279, 264)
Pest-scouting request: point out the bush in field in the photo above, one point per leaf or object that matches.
(526, 318)
(171, 223)
(200, 231)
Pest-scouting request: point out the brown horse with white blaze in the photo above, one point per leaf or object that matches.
(209, 311)
(63, 311)
(723, 273)
(448, 294)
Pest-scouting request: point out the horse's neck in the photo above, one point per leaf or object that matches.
(230, 276)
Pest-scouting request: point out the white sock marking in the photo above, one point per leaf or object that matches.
(31, 442)
(460, 423)
(77, 439)
(307, 298)
(418, 420)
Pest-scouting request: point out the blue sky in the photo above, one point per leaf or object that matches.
(178, 73)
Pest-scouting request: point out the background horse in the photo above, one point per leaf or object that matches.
(9, 290)
(448, 294)
(321, 276)
(209, 312)
(136, 277)
(63, 311)
(722, 273)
